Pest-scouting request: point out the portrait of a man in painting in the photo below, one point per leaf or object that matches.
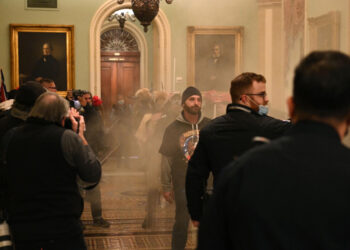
(214, 56)
(42, 52)
(47, 57)
(214, 61)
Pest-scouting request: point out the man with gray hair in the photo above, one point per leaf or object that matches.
(43, 163)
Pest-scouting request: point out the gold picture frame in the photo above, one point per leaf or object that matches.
(28, 61)
(324, 32)
(201, 40)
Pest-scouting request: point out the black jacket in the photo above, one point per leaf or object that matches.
(290, 194)
(6, 123)
(43, 199)
(94, 128)
(223, 140)
(13, 118)
(46, 67)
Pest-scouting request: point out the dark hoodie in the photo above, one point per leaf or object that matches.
(177, 146)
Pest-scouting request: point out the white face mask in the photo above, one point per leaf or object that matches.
(263, 109)
(121, 102)
(77, 105)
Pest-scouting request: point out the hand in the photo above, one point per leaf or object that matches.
(195, 223)
(82, 129)
(81, 125)
(73, 113)
(168, 196)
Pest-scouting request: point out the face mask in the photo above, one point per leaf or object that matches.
(121, 102)
(263, 110)
(77, 104)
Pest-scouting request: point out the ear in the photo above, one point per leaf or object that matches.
(244, 99)
(291, 107)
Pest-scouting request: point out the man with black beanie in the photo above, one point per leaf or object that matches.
(179, 141)
(24, 101)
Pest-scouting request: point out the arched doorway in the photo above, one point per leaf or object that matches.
(120, 65)
(161, 53)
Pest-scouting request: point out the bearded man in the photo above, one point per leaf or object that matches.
(179, 141)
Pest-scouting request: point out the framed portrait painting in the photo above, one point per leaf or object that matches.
(214, 56)
(42, 51)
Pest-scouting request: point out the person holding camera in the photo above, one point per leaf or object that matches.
(94, 135)
(44, 163)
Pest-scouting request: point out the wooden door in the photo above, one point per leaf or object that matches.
(120, 74)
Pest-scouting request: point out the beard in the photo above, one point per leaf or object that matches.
(194, 110)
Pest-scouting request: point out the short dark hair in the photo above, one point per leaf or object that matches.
(242, 83)
(48, 80)
(322, 85)
(79, 92)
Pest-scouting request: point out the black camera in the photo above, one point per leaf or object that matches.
(68, 123)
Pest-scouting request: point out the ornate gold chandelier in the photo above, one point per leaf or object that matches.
(145, 10)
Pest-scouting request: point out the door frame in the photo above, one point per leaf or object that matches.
(141, 43)
(162, 52)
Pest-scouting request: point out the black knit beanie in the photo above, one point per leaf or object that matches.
(28, 93)
(190, 91)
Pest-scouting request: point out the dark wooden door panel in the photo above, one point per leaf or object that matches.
(108, 83)
(129, 78)
(120, 74)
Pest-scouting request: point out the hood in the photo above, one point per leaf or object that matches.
(20, 111)
(181, 118)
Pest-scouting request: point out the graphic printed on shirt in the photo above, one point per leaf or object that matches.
(188, 143)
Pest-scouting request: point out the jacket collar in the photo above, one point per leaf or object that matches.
(236, 106)
(40, 121)
(309, 127)
(182, 119)
(19, 112)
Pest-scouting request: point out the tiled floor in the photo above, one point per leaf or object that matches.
(123, 202)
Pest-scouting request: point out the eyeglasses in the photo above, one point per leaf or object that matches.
(263, 95)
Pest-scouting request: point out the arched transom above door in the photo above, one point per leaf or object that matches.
(118, 40)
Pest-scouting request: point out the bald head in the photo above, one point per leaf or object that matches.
(50, 107)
